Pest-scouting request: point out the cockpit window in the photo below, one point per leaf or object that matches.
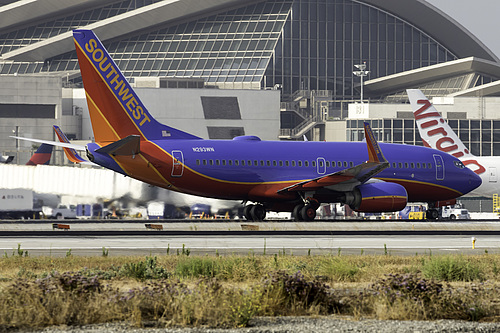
(459, 164)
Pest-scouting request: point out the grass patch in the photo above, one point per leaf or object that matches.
(227, 291)
(452, 268)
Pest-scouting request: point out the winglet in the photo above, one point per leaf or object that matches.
(374, 151)
(71, 153)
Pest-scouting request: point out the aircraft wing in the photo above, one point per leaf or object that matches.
(347, 179)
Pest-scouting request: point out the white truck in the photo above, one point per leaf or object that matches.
(60, 212)
(456, 212)
(19, 204)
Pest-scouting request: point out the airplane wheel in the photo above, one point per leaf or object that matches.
(296, 212)
(308, 213)
(258, 212)
(246, 212)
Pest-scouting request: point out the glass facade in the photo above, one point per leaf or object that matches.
(482, 137)
(323, 40)
(39, 32)
(293, 44)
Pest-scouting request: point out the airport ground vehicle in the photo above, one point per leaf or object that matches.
(60, 212)
(456, 212)
(161, 210)
(19, 204)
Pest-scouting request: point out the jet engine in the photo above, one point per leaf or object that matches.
(377, 198)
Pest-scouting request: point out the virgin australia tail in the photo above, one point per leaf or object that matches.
(115, 109)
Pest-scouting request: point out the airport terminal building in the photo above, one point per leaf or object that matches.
(279, 69)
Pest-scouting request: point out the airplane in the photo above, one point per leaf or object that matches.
(436, 133)
(294, 176)
(5, 159)
(41, 156)
(70, 153)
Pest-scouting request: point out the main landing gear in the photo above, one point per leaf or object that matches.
(305, 211)
(254, 212)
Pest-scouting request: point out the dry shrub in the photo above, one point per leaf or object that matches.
(410, 297)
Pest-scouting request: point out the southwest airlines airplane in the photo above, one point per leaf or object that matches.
(271, 175)
(437, 134)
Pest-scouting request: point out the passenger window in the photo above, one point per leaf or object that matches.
(211, 162)
(313, 163)
(287, 163)
(293, 163)
(230, 162)
(255, 163)
(327, 164)
(249, 163)
(261, 163)
(281, 163)
(242, 162)
(429, 165)
(424, 165)
(204, 162)
(333, 164)
(394, 165)
(275, 163)
(217, 162)
(223, 162)
(306, 163)
(351, 164)
(236, 162)
(345, 164)
(412, 165)
(418, 165)
(299, 163)
(400, 165)
(197, 162)
(268, 163)
(406, 165)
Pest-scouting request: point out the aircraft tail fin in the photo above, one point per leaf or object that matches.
(434, 130)
(42, 155)
(115, 109)
(70, 153)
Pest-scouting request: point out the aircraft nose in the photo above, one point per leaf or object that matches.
(474, 181)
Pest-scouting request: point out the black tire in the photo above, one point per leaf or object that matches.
(258, 213)
(296, 212)
(453, 217)
(308, 213)
(246, 212)
(432, 214)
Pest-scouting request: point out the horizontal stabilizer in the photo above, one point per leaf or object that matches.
(53, 143)
(124, 147)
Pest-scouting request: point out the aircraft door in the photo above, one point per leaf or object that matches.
(321, 165)
(493, 174)
(177, 163)
(438, 160)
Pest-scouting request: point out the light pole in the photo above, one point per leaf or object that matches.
(362, 72)
(16, 133)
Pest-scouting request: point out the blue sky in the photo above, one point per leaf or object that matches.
(480, 17)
